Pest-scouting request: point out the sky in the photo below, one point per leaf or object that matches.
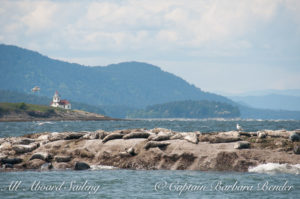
(223, 46)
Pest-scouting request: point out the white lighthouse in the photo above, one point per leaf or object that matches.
(57, 102)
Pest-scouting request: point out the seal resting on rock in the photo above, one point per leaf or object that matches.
(136, 135)
(112, 136)
(152, 144)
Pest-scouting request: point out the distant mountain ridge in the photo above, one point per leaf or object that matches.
(128, 84)
(271, 101)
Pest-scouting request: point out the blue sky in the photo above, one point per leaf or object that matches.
(226, 46)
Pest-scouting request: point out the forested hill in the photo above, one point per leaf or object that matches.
(131, 83)
(189, 109)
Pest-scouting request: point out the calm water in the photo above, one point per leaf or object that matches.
(145, 184)
(21, 128)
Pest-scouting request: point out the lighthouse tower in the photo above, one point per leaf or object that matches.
(56, 99)
(57, 102)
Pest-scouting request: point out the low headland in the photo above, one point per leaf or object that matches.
(153, 149)
(19, 112)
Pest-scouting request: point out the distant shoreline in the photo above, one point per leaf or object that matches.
(21, 112)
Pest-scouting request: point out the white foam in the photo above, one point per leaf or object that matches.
(102, 167)
(272, 168)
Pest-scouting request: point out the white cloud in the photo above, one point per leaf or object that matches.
(170, 30)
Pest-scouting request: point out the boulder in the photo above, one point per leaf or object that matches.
(42, 156)
(34, 164)
(5, 146)
(297, 149)
(136, 135)
(242, 145)
(112, 136)
(81, 166)
(62, 158)
(25, 148)
(11, 160)
(177, 136)
(294, 137)
(153, 144)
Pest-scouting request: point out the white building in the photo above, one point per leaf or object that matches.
(57, 102)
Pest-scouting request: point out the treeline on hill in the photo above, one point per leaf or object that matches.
(188, 109)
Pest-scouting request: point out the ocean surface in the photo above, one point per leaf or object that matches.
(266, 181)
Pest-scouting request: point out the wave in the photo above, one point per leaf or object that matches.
(102, 167)
(273, 168)
(42, 123)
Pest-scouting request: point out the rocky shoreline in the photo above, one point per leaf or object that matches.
(149, 149)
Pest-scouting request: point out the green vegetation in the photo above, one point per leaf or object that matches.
(30, 109)
(188, 109)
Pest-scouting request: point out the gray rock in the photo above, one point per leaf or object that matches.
(153, 144)
(42, 156)
(294, 137)
(297, 149)
(136, 135)
(81, 166)
(242, 145)
(11, 160)
(62, 158)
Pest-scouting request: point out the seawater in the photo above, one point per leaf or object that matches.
(267, 181)
(206, 126)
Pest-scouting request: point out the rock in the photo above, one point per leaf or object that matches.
(62, 166)
(72, 136)
(245, 134)
(262, 135)
(11, 160)
(192, 137)
(112, 136)
(152, 144)
(278, 133)
(34, 164)
(294, 137)
(25, 148)
(242, 145)
(81, 166)
(42, 156)
(136, 135)
(297, 149)
(62, 158)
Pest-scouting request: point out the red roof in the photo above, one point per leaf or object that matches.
(64, 102)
